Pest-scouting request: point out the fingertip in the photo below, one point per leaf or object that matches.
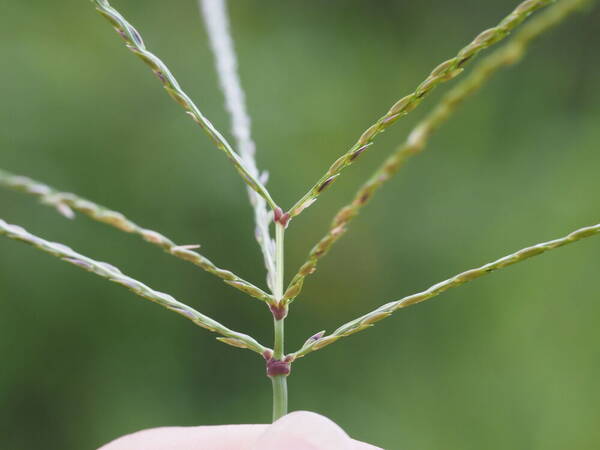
(304, 430)
(221, 437)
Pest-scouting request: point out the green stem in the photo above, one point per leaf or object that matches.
(278, 325)
(279, 256)
(279, 396)
(279, 381)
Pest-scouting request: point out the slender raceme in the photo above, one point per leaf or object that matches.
(511, 53)
(134, 42)
(66, 203)
(442, 73)
(384, 311)
(219, 33)
(115, 275)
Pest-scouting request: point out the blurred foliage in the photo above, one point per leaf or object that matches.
(509, 361)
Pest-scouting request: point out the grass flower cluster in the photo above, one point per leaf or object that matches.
(271, 219)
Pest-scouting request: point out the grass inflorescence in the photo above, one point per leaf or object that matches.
(267, 213)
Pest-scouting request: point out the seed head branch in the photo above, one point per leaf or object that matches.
(442, 73)
(134, 42)
(66, 203)
(115, 275)
(219, 33)
(384, 311)
(418, 138)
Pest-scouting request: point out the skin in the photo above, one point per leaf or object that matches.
(301, 430)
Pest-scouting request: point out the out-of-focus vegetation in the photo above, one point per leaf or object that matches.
(509, 361)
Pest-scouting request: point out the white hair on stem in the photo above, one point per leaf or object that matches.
(221, 42)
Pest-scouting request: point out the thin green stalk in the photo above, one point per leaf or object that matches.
(280, 380)
(279, 260)
(278, 347)
(66, 203)
(386, 310)
(279, 319)
(113, 274)
(280, 396)
(511, 53)
(442, 73)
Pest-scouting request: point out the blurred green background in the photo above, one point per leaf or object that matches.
(508, 361)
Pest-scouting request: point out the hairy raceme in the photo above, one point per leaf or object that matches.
(444, 72)
(113, 274)
(386, 310)
(267, 213)
(135, 43)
